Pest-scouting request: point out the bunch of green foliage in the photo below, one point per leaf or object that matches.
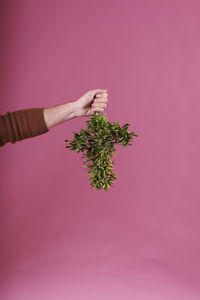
(97, 143)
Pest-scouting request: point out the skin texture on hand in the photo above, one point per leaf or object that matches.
(86, 105)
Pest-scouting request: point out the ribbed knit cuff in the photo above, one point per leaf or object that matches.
(36, 121)
(22, 124)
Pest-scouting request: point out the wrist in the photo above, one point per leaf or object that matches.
(69, 110)
(78, 110)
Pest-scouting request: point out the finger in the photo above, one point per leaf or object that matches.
(100, 109)
(100, 91)
(101, 95)
(99, 104)
(100, 100)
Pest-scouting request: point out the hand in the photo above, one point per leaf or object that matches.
(90, 102)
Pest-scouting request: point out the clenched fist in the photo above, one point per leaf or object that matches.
(92, 101)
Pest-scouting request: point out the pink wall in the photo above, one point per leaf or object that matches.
(59, 238)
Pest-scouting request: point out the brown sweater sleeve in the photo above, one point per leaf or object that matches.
(21, 124)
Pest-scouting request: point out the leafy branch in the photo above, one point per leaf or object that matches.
(97, 143)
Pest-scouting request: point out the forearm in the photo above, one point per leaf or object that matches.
(58, 114)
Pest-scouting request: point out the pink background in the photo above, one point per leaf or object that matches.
(59, 238)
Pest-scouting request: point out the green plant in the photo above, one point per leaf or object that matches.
(97, 143)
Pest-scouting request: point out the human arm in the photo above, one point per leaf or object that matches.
(22, 124)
